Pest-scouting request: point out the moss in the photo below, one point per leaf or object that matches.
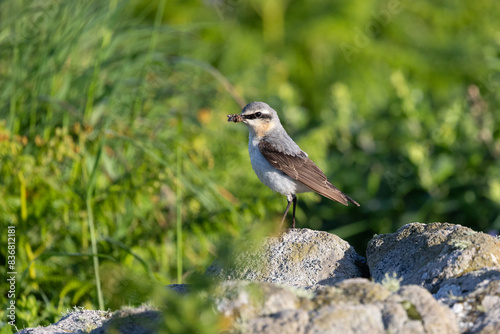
(459, 244)
(411, 310)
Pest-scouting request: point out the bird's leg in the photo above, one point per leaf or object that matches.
(293, 213)
(286, 211)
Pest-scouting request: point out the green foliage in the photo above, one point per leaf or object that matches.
(397, 101)
(191, 313)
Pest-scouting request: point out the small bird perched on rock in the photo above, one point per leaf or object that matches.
(279, 162)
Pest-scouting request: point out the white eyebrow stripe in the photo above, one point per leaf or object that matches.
(253, 116)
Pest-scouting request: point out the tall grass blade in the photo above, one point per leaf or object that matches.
(90, 218)
(178, 215)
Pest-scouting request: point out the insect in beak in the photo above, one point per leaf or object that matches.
(234, 118)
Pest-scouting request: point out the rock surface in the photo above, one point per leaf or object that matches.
(298, 257)
(140, 320)
(428, 255)
(436, 278)
(78, 321)
(475, 300)
(352, 306)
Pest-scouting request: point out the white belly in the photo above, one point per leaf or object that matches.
(272, 177)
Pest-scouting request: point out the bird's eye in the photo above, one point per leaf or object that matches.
(258, 114)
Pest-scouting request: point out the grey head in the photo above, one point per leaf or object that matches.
(263, 122)
(260, 117)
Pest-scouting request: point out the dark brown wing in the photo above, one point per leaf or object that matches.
(303, 169)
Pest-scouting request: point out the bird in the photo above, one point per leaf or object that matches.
(279, 162)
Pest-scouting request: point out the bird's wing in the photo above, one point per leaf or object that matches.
(299, 167)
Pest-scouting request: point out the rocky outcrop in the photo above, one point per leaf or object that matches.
(428, 255)
(78, 321)
(352, 306)
(435, 278)
(475, 300)
(299, 257)
(458, 265)
(140, 320)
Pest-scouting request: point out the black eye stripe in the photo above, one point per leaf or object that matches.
(254, 116)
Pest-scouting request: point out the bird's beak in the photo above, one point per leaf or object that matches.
(234, 118)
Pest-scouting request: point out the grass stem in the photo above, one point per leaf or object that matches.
(178, 215)
(90, 219)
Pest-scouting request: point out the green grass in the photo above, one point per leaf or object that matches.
(117, 164)
(92, 117)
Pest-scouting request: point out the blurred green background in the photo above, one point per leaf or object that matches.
(113, 132)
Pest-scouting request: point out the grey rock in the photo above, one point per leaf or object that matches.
(489, 320)
(298, 257)
(436, 318)
(427, 255)
(140, 320)
(356, 306)
(285, 322)
(247, 300)
(459, 287)
(346, 319)
(475, 300)
(79, 321)
(181, 289)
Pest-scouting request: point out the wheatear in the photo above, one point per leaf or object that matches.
(279, 162)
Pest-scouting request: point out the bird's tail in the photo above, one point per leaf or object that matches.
(350, 200)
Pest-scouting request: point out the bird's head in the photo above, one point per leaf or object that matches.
(258, 116)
